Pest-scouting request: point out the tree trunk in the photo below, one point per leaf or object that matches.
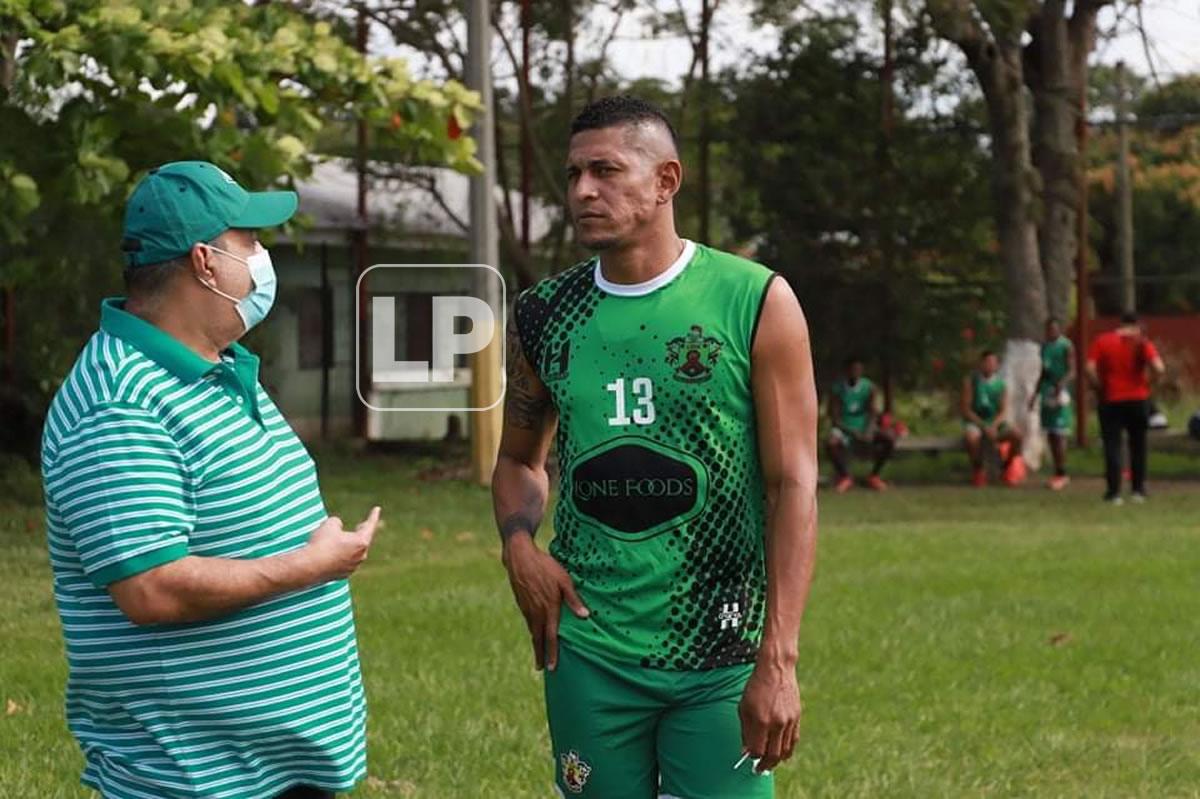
(1055, 154)
(996, 61)
(1014, 183)
(8, 61)
(1035, 180)
(1056, 74)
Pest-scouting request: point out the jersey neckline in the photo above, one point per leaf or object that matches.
(653, 284)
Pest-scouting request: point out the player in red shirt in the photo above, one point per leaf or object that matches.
(1119, 365)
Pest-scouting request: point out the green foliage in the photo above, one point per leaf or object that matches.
(1165, 164)
(804, 137)
(132, 83)
(101, 92)
(1173, 105)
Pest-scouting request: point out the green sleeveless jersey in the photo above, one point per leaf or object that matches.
(854, 401)
(1056, 362)
(987, 394)
(660, 515)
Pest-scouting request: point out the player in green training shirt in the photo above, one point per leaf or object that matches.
(1054, 390)
(985, 418)
(852, 417)
(679, 379)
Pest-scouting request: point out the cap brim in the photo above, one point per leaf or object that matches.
(267, 209)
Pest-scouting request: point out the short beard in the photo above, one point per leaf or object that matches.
(600, 245)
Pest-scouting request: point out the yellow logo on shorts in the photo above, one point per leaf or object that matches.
(575, 771)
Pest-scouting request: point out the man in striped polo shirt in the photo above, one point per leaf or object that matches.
(200, 582)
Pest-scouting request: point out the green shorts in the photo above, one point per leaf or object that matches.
(620, 731)
(845, 436)
(970, 427)
(1057, 419)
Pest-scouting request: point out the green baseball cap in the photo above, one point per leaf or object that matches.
(183, 203)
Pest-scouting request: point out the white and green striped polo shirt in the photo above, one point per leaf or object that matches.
(151, 453)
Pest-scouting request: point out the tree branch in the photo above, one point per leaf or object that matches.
(8, 61)
(1146, 45)
(539, 152)
(425, 181)
(602, 56)
(687, 29)
(1081, 35)
(502, 171)
(957, 21)
(425, 37)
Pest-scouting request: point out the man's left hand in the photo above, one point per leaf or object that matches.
(770, 715)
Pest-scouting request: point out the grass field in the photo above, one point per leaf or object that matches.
(958, 643)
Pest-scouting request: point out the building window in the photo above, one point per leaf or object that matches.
(416, 342)
(315, 328)
(418, 327)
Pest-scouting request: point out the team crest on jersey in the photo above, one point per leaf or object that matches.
(693, 355)
(575, 771)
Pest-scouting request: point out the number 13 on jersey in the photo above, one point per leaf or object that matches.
(643, 393)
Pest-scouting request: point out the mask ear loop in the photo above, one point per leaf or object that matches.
(213, 288)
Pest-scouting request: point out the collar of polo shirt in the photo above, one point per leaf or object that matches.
(170, 353)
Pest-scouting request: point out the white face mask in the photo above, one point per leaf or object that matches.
(254, 307)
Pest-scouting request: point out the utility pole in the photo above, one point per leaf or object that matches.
(1124, 196)
(705, 133)
(526, 100)
(10, 336)
(1083, 293)
(485, 247)
(886, 216)
(362, 324)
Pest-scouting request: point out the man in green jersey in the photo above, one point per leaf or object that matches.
(853, 408)
(680, 382)
(1054, 390)
(984, 408)
(201, 583)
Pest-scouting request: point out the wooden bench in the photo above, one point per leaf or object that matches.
(1170, 440)
(929, 445)
(1173, 440)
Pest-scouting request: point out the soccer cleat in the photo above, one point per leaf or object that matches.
(876, 483)
(1138, 498)
(979, 478)
(844, 484)
(1015, 472)
(1058, 482)
(1114, 500)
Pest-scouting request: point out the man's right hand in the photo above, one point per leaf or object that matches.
(540, 585)
(336, 553)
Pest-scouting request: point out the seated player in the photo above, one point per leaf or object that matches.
(852, 410)
(985, 417)
(1053, 389)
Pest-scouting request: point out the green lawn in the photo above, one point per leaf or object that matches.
(958, 643)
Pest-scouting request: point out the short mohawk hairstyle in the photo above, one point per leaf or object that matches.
(621, 109)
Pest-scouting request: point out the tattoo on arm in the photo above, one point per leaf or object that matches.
(527, 515)
(523, 407)
(517, 523)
